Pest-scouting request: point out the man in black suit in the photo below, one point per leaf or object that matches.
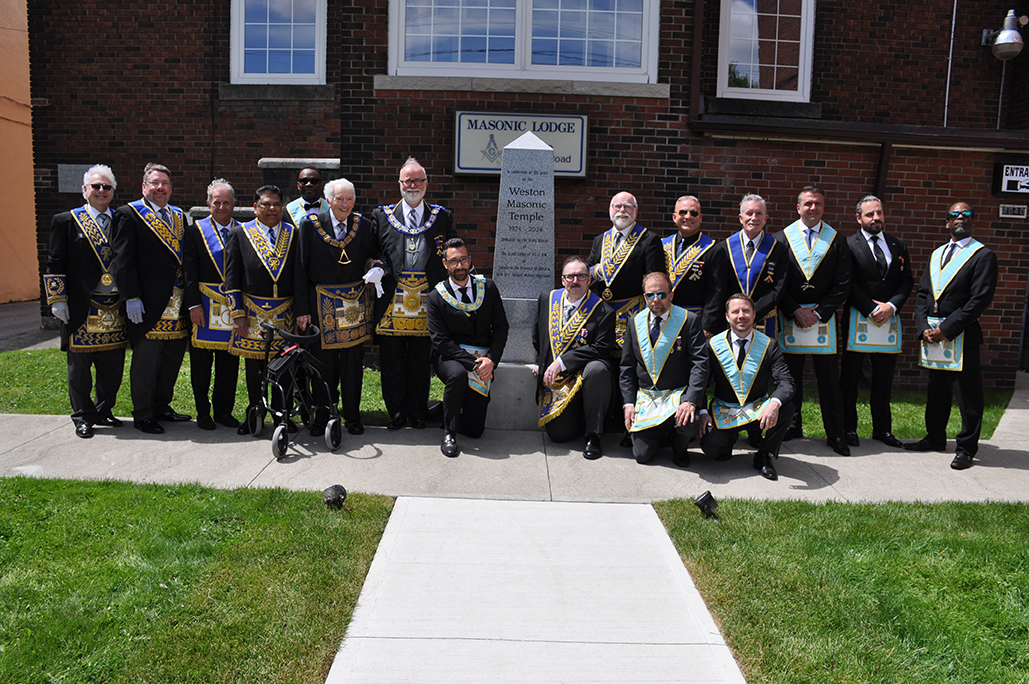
(147, 237)
(743, 362)
(619, 259)
(694, 264)
(203, 264)
(468, 329)
(573, 338)
(817, 284)
(81, 292)
(265, 282)
(881, 282)
(954, 292)
(663, 375)
(411, 235)
(337, 248)
(310, 202)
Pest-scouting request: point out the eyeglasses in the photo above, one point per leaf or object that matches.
(626, 207)
(691, 212)
(310, 181)
(101, 186)
(412, 181)
(460, 261)
(159, 184)
(576, 276)
(967, 213)
(651, 295)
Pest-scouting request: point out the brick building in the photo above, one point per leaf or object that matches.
(685, 96)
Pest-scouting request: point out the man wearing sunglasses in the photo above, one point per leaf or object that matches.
(954, 292)
(81, 292)
(663, 375)
(692, 263)
(411, 235)
(573, 337)
(310, 202)
(468, 329)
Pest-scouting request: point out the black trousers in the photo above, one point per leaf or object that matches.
(883, 366)
(152, 375)
(110, 365)
(585, 413)
(464, 409)
(226, 375)
(645, 443)
(343, 372)
(405, 364)
(827, 373)
(719, 443)
(967, 387)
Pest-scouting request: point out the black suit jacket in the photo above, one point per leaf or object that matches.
(321, 260)
(595, 346)
(766, 295)
(449, 328)
(197, 265)
(703, 291)
(773, 369)
(966, 298)
(72, 255)
(245, 272)
(686, 367)
(866, 284)
(646, 257)
(143, 268)
(831, 280)
(391, 248)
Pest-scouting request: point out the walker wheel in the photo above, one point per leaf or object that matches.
(334, 434)
(280, 440)
(255, 420)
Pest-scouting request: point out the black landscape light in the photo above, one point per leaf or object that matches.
(707, 505)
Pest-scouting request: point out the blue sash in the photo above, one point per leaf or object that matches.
(97, 240)
(940, 275)
(677, 267)
(170, 236)
(296, 212)
(748, 274)
(654, 357)
(809, 259)
(611, 262)
(213, 241)
(273, 260)
(554, 400)
(728, 415)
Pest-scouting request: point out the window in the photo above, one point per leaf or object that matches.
(611, 40)
(278, 41)
(764, 49)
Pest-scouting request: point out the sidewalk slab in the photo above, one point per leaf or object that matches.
(473, 591)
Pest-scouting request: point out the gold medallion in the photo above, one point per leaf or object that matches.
(607, 295)
(343, 258)
(107, 280)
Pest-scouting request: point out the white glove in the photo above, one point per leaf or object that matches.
(374, 276)
(60, 310)
(134, 309)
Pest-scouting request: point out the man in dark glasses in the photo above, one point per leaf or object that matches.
(692, 264)
(310, 202)
(663, 374)
(955, 290)
(81, 291)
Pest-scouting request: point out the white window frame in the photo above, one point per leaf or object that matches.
(522, 67)
(803, 92)
(238, 47)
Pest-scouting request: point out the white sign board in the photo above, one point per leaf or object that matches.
(1015, 178)
(1015, 211)
(480, 138)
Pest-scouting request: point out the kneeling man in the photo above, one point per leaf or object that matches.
(663, 374)
(468, 330)
(743, 360)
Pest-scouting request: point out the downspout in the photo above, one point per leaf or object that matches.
(950, 62)
(697, 54)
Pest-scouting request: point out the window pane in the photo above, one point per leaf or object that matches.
(544, 24)
(573, 5)
(601, 53)
(601, 26)
(445, 49)
(445, 21)
(545, 4)
(256, 11)
(473, 49)
(573, 25)
(628, 55)
(787, 78)
(788, 54)
(418, 49)
(304, 11)
(303, 37)
(255, 62)
(501, 50)
(544, 52)
(475, 3)
(789, 28)
(630, 27)
(419, 20)
(303, 62)
(502, 22)
(279, 61)
(474, 22)
(280, 37)
(634, 6)
(256, 37)
(572, 53)
(280, 11)
(602, 5)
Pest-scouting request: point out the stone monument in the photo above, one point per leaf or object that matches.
(523, 268)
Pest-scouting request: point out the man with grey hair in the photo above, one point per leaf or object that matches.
(337, 250)
(203, 265)
(880, 284)
(693, 264)
(411, 235)
(147, 241)
(81, 290)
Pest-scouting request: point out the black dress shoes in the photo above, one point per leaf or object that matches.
(763, 464)
(962, 461)
(109, 421)
(243, 429)
(793, 433)
(926, 444)
(227, 420)
(316, 430)
(449, 445)
(851, 438)
(839, 445)
(593, 449)
(418, 423)
(83, 430)
(205, 422)
(681, 460)
(149, 426)
(355, 428)
(396, 422)
(888, 439)
(170, 416)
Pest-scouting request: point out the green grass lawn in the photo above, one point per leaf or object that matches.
(37, 385)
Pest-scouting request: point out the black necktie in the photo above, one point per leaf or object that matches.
(750, 249)
(225, 235)
(618, 241)
(464, 295)
(164, 216)
(812, 235)
(949, 253)
(102, 220)
(271, 237)
(880, 258)
(742, 353)
(655, 329)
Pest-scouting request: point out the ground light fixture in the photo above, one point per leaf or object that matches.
(707, 505)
